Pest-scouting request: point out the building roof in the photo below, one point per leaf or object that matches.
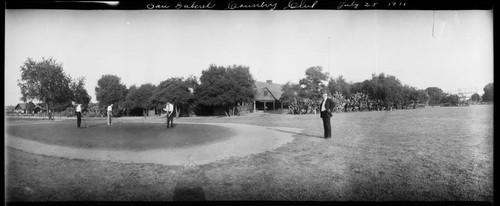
(274, 90)
(20, 106)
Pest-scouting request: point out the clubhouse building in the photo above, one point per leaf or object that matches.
(267, 96)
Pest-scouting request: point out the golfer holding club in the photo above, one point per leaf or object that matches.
(78, 115)
(110, 109)
(169, 108)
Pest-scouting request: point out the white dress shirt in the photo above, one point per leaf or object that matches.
(169, 108)
(323, 108)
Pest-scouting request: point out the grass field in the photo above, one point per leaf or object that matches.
(432, 154)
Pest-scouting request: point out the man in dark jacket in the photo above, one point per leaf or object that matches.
(326, 109)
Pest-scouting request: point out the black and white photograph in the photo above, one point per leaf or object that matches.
(168, 101)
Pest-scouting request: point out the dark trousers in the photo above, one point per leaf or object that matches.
(170, 120)
(78, 119)
(327, 126)
(109, 118)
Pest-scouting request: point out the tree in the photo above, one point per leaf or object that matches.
(409, 96)
(435, 95)
(339, 85)
(475, 97)
(61, 106)
(192, 83)
(313, 84)
(94, 108)
(365, 87)
(225, 87)
(9, 109)
(306, 95)
(176, 91)
(242, 83)
(80, 95)
(30, 107)
(110, 90)
(131, 99)
(290, 93)
(423, 97)
(290, 96)
(391, 88)
(146, 91)
(488, 93)
(140, 98)
(46, 81)
(450, 100)
(345, 87)
(386, 89)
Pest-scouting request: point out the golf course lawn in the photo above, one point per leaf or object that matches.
(431, 154)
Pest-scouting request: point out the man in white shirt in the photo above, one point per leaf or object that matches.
(110, 110)
(78, 115)
(169, 108)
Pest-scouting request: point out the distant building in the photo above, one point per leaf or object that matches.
(464, 93)
(267, 96)
(38, 109)
(20, 108)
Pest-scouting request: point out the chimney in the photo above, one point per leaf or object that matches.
(269, 81)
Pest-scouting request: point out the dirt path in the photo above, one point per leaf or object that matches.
(249, 140)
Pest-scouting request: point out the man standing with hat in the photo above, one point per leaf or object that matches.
(326, 108)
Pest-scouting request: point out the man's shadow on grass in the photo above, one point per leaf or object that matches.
(145, 125)
(92, 125)
(171, 127)
(189, 186)
(188, 193)
(297, 133)
(95, 125)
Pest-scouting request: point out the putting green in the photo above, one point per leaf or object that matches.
(131, 141)
(121, 136)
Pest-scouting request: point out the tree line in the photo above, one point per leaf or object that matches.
(218, 86)
(46, 81)
(381, 92)
(222, 87)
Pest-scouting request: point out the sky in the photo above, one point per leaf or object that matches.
(422, 48)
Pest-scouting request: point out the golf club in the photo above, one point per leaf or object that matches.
(85, 122)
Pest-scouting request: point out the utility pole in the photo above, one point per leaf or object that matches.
(329, 69)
